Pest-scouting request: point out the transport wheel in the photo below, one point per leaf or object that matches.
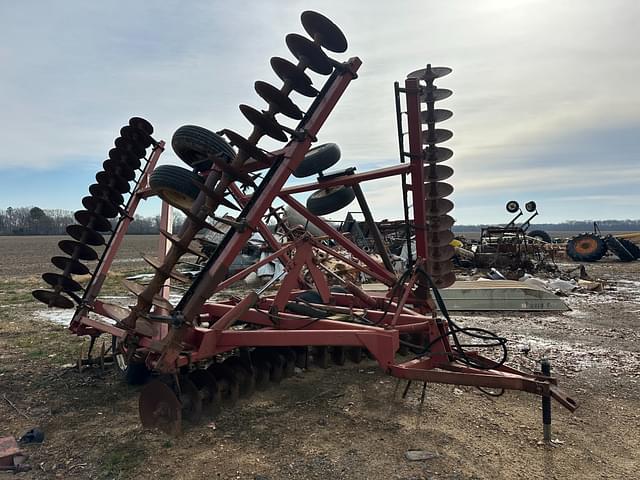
(586, 247)
(512, 206)
(329, 200)
(134, 371)
(631, 247)
(318, 159)
(175, 185)
(193, 145)
(541, 235)
(616, 246)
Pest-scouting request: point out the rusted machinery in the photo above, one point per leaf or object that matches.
(210, 348)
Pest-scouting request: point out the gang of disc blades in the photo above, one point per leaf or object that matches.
(52, 299)
(432, 74)
(439, 269)
(101, 206)
(160, 408)
(437, 190)
(116, 182)
(208, 387)
(138, 289)
(190, 400)
(435, 136)
(74, 266)
(107, 193)
(137, 136)
(440, 238)
(324, 31)
(297, 79)
(436, 154)
(142, 124)
(308, 52)
(435, 116)
(277, 99)
(93, 220)
(85, 235)
(264, 122)
(440, 254)
(435, 208)
(65, 283)
(125, 157)
(77, 250)
(434, 172)
(115, 312)
(435, 94)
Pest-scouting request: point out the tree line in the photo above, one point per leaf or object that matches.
(37, 221)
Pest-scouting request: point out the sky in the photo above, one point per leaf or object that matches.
(546, 101)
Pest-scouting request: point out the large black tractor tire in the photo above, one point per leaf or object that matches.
(318, 159)
(541, 235)
(631, 247)
(175, 185)
(330, 200)
(586, 247)
(193, 145)
(620, 251)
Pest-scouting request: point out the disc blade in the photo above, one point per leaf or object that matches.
(244, 145)
(65, 283)
(106, 193)
(113, 181)
(93, 220)
(121, 169)
(436, 154)
(278, 100)
(190, 400)
(208, 387)
(439, 254)
(157, 265)
(324, 31)
(439, 269)
(308, 52)
(70, 265)
(137, 290)
(438, 135)
(52, 299)
(436, 115)
(100, 206)
(115, 312)
(127, 145)
(141, 124)
(123, 156)
(435, 190)
(294, 76)
(434, 172)
(435, 95)
(439, 224)
(160, 408)
(77, 250)
(85, 235)
(435, 208)
(430, 73)
(136, 136)
(440, 238)
(264, 122)
(445, 281)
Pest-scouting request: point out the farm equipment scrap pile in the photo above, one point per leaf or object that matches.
(205, 353)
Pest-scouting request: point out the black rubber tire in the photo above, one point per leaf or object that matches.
(329, 200)
(318, 159)
(306, 310)
(541, 234)
(134, 372)
(586, 247)
(631, 247)
(338, 289)
(620, 251)
(193, 145)
(175, 185)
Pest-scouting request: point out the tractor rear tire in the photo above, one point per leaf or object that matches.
(631, 247)
(618, 248)
(330, 200)
(193, 145)
(586, 247)
(541, 235)
(175, 185)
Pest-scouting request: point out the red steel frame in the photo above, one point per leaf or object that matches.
(190, 343)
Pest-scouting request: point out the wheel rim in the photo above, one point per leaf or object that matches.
(586, 246)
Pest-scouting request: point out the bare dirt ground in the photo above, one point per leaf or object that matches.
(342, 422)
